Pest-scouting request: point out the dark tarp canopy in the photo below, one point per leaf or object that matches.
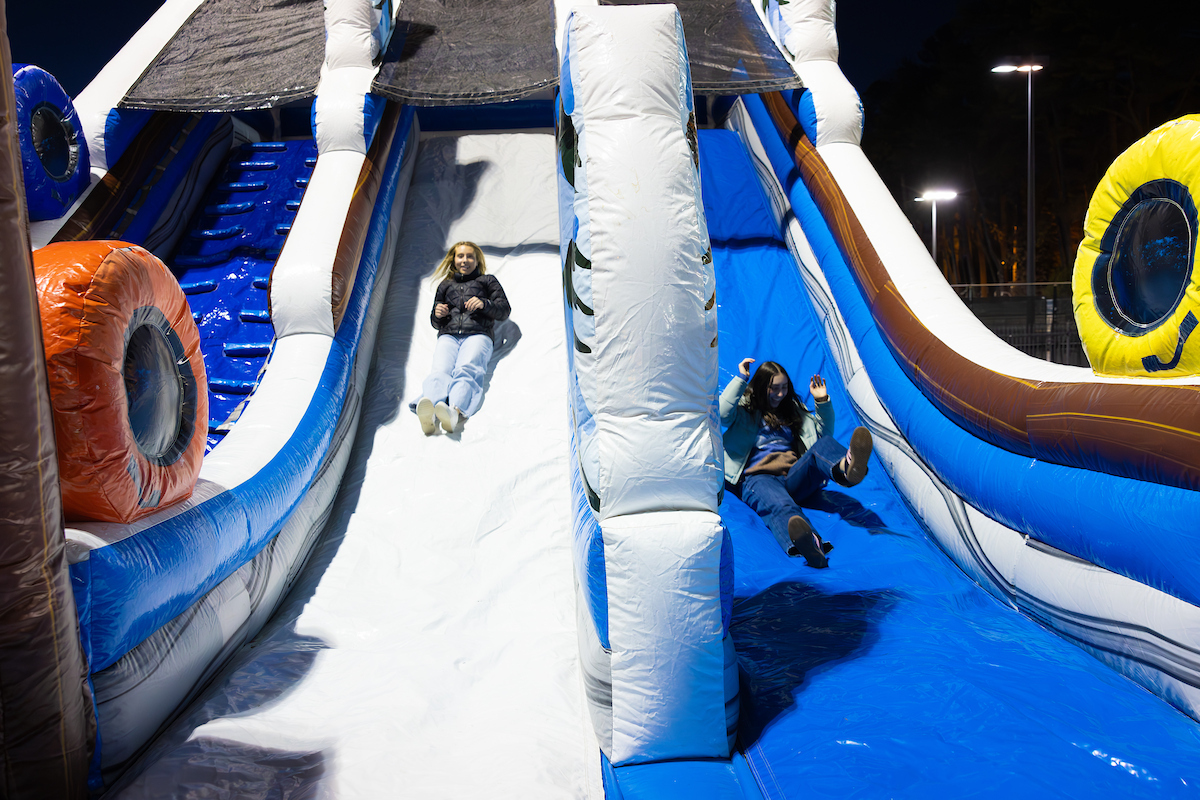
(464, 52)
(460, 52)
(729, 50)
(234, 55)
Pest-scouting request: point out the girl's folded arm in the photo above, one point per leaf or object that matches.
(730, 398)
(439, 297)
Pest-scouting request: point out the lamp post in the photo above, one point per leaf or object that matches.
(932, 196)
(1031, 242)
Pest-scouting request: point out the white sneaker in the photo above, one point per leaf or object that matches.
(425, 414)
(446, 415)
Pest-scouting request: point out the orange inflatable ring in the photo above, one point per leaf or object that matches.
(127, 380)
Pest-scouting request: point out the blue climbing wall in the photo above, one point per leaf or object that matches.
(224, 266)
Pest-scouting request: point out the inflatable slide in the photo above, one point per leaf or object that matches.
(559, 599)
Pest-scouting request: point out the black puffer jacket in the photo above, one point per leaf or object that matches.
(456, 290)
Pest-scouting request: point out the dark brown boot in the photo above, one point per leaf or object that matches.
(858, 454)
(806, 543)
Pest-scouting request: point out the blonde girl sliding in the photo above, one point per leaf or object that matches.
(466, 306)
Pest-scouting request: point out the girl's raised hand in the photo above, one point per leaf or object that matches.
(474, 304)
(744, 367)
(817, 387)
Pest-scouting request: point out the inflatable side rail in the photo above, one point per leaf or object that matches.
(185, 652)
(162, 601)
(1067, 546)
(1065, 415)
(138, 577)
(652, 557)
(250, 483)
(1118, 550)
(1143, 431)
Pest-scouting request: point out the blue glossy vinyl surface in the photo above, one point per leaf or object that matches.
(1096, 516)
(714, 779)
(891, 674)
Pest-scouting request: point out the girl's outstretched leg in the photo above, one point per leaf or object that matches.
(767, 495)
(445, 354)
(437, 385)
(466, 381)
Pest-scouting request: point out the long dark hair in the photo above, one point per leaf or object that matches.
(790, 411)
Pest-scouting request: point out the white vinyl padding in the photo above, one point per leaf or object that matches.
(649, 377)
(346, 75)
(429, 648)
(301, 289)
(664, 622)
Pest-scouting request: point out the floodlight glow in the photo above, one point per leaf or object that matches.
(1017, 68)
(938, 194)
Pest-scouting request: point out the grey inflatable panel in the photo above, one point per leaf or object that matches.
(232, 56)
(464, 52)
(729, 50)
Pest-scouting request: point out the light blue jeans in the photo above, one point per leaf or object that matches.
(459, 364)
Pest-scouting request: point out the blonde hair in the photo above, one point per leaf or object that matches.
(447, 264)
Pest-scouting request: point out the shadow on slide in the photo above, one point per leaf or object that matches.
(793, 629)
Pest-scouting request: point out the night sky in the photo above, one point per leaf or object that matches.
(72, 39)
(875, 35)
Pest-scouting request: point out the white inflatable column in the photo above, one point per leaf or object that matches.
(345, 115)
(805, 31)
(640, 296)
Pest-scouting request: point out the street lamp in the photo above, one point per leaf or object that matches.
(1031, 242)
(932, 196)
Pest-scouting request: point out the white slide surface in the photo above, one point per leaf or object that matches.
(429, 648)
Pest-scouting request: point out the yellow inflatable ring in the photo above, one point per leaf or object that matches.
(1135, 287)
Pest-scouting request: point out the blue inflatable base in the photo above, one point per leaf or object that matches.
(713, 779)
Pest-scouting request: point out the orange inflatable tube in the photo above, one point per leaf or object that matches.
(127, 381)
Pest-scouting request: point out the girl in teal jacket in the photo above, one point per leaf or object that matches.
(778, 453)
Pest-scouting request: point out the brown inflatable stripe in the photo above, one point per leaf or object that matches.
(358, 218)
(47, 726)
(104, 209)
(1149, 433)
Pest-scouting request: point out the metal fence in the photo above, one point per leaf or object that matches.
(1041, 324)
